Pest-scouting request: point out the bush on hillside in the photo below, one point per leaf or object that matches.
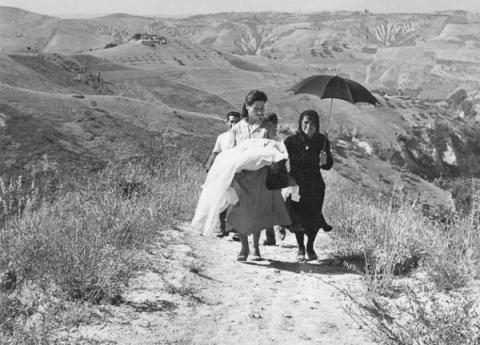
(457, 97)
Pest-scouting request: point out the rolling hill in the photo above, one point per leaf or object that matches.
(73, 128)
(100, 87)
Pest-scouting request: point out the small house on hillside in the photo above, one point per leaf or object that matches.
(150, 40)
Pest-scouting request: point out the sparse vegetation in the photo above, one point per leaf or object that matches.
(78, 245)
(418, 268)
(422, 320)
(110, 45)
(179, 61)
(391, 235)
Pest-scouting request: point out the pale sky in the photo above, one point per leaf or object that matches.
(79, 8)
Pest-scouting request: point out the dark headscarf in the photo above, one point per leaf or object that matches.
(313, 116)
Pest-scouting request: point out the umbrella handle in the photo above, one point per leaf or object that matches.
(329, 115)
(328, 124)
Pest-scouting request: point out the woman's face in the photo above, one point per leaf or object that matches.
(256, 111)
(308, 127)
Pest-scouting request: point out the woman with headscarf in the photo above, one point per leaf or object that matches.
(308, 151)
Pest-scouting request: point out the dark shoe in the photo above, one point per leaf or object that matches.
(281, 233)
(236, 237)
(327, 227)
(256, 258)
(312, 255)
(222, 234)
(269, 242)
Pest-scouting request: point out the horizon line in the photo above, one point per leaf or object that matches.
(103, 14)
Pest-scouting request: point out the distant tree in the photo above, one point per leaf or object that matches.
(137, 36)
(456, 97)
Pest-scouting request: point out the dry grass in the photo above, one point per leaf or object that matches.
(395, 237)
(421, 319)
(419, 270)
(79, 245)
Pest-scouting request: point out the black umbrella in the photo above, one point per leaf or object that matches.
(332, 86)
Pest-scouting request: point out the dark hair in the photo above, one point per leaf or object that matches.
(313, 116)
(233, 113)
(252, 97)
(273, 118)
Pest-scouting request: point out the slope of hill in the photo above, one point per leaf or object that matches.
(91, 128)
(21, 30)
(43, 72)
(188, 64)
(208, 63)
(91, 75)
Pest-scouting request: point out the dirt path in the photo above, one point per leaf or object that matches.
(276, 301)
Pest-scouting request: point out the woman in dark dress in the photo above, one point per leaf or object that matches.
(308, 151)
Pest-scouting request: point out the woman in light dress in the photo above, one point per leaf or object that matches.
(258, 208)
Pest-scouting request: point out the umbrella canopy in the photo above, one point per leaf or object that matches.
(332, 86)
(329, 86)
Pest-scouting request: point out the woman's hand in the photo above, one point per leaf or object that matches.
(323, 158)
(275, 168)
(291, 181)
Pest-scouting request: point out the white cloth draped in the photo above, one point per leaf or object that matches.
(216, 194)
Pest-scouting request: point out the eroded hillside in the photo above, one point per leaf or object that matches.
(109, 83)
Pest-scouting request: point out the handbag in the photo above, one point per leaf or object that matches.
(277, 176)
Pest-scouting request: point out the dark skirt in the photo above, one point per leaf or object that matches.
(306, 214)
